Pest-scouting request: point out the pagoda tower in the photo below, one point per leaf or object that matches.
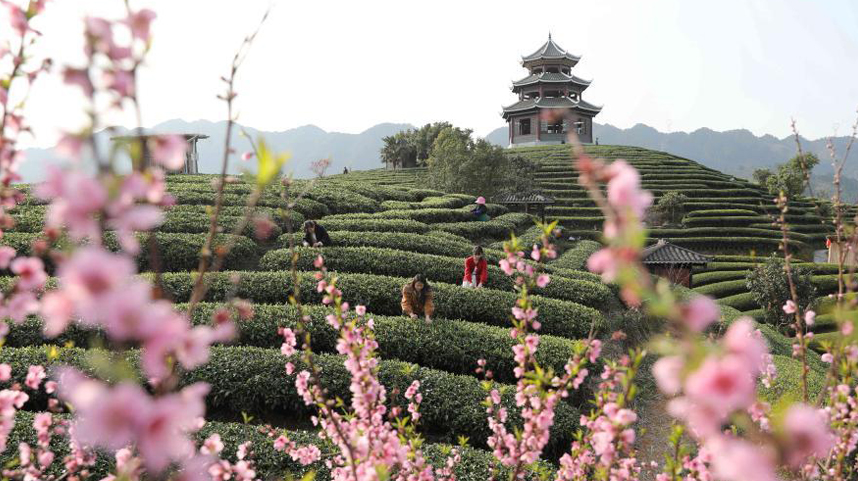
(550, 85)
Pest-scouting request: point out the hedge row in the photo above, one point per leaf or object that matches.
(180, 218)
(423, 244)
(436, 215)
(341, 201)
(734, 244)
(176, 252)
(576, 257)
(196, 223)
(723, 289)
(740, 232)
(451, 201)
(295, 218)
(475, 464)
(449, 270)
(369, 188)
(722, 213)
(478, 231)
(381, 294)
(253, 380)
(448, 345)
(372, 224)
(705, 278)
(727, 221)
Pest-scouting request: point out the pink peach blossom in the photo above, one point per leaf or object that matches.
(807, 434)
(699, 312)
(6, 255)
(666, 372)
(30, 271)
(789, 307)
(169, 151)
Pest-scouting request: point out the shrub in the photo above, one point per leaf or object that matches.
(576, 257)
(475, 464)
(424, 244)
(770, 288)
(252, 380)
(341, 201)
(448, 345)
(671, 206)
(193, 224)
(373, 224)
(449, 270)
(177, 252)
(381, 294)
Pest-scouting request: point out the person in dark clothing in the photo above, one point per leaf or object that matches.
(417, 298)
(345, 170)
(315, 235)
(481, 212)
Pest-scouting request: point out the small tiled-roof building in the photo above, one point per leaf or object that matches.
(549, 86)
(672, 262)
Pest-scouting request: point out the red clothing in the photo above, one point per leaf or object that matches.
(481, 268)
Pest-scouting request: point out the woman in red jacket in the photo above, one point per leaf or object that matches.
(476, 269)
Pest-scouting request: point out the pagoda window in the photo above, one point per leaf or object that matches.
(567, 71)
(524, 127)
(552, 94)
(552, 70)
(553, 128)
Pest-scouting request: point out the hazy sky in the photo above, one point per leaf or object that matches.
(347, 65)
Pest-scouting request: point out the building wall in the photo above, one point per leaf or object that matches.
(586, 137)
(676, 274)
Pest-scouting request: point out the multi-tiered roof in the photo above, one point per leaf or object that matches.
(551, 83)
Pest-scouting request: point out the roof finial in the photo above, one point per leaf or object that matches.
(549, 35)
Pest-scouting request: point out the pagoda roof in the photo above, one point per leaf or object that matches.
(664, 252)
(550, 51)
(551, 103)
(551, 77)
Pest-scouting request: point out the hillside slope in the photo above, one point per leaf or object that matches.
(725, 215)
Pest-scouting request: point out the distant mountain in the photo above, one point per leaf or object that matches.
(306, 144)
(736, 152)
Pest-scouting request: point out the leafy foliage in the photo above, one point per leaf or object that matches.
(671, 206)
(769, 286)
(458, 163)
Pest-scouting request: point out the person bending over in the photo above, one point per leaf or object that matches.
(481, 212)
(417, 298)
(315, 235)
(476, 269)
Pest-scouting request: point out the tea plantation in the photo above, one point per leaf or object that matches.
(386, 227)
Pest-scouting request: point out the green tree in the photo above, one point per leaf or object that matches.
(761, 176)
(458, 163)
(791, 177)
(398, 149)
(671, 206)
(769, 285)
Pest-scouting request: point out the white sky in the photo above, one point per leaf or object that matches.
(346, 65)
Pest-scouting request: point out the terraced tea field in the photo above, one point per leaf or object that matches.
(724, 214)
(385, 229)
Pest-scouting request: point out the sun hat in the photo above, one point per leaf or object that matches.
(481, 200)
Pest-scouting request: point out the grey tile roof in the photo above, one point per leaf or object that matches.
(664, 252)
(551, 77)
(524, 198)
(550, 50)
(551, 103)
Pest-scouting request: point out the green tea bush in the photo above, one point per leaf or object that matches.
(448, 270)
(576, 257)
(252, 380)
(196, 223)
(475, 464)
(423, 244)
(448, 345)
(372, 224)
(382, 294)
(176, 252)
